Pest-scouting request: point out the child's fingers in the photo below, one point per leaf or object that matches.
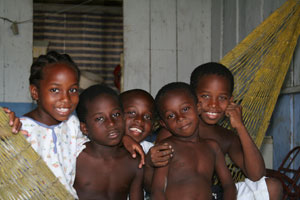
(161, 157)
(162, 147)
(25, 133)
(16, 125)
(133, 152)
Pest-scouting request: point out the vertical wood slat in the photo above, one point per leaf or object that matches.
(194, 36)
(229, 25)
(136, 44)
(163, 43)
(15, 57)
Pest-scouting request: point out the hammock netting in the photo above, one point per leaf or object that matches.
(259, 64)
(23, 174)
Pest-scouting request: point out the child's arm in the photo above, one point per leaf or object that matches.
(223, 173)
(13, 120)
(159, 183)
(244, 152)
(158, 156)
(136, 187)
(132, 146)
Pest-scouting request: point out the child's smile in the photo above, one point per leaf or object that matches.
(57, 94)
(138, 110)
(179, 113)
(214, 96)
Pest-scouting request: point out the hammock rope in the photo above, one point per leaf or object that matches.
(259, 64)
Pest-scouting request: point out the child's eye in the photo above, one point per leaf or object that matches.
(170, 116)
(115, 115)
(204, 96)
(100, 119)
(185, 109)
(223, 98)
(147, 117)
(131, 113)
(54, 90)
(73, 90)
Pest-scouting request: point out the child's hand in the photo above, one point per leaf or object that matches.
(161, 154)
(13, 120)
(132, 146)
(234, 112)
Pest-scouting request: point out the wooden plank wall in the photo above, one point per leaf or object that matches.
(15, 51)
(164, 40)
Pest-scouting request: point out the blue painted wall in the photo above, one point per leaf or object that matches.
(19, 108)
(285, 127)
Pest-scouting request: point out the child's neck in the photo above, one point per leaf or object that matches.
(193, 138)
(104, 151)
(37, 116)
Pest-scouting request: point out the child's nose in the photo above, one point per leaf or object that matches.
(138, 118)
(213, 103)
(66, 97)
(180, 117)
(110, 121)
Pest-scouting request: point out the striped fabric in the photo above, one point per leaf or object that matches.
(94, 41)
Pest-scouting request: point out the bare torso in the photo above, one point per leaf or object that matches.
(106, 177)
(190, 170)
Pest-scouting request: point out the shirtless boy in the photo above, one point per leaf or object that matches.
(190, 171)
(213, 84)
(105, 169)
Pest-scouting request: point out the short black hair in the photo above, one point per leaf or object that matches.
(89, 95)
(173, 87)
(208, 69)
(140, 91)
(52, 57)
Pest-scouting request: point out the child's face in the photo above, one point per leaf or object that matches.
(104, 121)
(214, 96)
(179, 113)
(57, 94)
(138, 111)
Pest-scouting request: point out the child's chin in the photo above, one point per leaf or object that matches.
(211, 121)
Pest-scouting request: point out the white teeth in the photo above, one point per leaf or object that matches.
(63, 109)
(136, 130)
(211, 113)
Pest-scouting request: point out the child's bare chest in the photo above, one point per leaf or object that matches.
(107, 176)
(192, 161)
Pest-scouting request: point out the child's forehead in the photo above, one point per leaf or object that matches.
(179, 93)
(59, 67)
(138, 96)
(103, 97)
(210, 79)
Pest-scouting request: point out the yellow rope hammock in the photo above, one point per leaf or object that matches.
(259, 64)
(23, 174)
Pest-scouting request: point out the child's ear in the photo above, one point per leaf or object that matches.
(83, 128)
(34, 92)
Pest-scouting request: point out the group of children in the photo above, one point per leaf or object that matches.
(92, 153)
